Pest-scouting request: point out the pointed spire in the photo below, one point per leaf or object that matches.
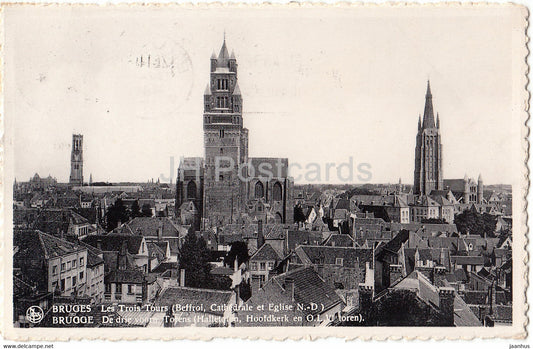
(466, 177)
(232, 56)
(419, 122)
(223, 55)
(207, 91)
(237, 90)
(213, 55)
(438, 121)
(479, 178)
(429, 118)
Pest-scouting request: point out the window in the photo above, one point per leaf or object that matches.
(63, 267)
(262, 266)
(221, 133)
(130, 289)
(270, 265)
(62, 284)
(253, 266)
(118, 288)
(221, 151)
(276, 192)
(54, 270)
(259, 190)
(68, 265)
(338, 261)
(222, 102)
(222, 84)
(74, 263)
(74, 280)
(81, 276)
(108, 288)
(191, 190)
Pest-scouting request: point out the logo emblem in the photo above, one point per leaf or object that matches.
(34, 314)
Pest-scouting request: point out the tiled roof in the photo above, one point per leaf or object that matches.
(128, 276)
(149, 226)
(339, 240)
(468, 260)
(266, 253)
(429, 293)
(351, 256)
(299, 237)
(113, 242)
(195, 297)
(31, 242)
(309, 288)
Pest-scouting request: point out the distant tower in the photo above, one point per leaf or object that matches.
(479, 189)
(428, 152)
(91, 179)
(76, 161)
(466, 193)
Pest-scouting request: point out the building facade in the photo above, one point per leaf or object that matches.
(428, 152)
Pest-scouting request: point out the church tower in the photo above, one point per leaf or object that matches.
(428, 152)
(225, 142)
(76, 161)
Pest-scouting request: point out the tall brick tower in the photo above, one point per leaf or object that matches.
(428, 152)
(76, 161)
(225, 142)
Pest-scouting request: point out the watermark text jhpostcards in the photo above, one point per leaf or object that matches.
(313, 172)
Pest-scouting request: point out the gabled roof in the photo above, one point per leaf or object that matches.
(309, 288)
(266, 253)
(429, 293)
(33, 242)
(299, 237)
(339, 240)
(128, 276)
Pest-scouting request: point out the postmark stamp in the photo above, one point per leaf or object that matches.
(349, 171)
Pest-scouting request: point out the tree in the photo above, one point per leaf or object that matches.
(116, 213)
(146, 210)
(299, 215)
(238, 250)
(135, 209)
(194, 258)
(470, 221)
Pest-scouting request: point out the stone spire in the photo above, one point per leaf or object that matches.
(429, 118)
(438, 121)
(223, 55)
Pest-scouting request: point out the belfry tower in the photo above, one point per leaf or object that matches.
(428, 152)
(76, 161)
(225, 142)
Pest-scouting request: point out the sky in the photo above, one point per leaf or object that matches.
(318, 87)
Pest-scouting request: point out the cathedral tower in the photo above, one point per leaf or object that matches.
(428, 152)
(76, 161)
(225, 142)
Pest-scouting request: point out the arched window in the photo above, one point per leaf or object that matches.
(191, 190)
(278, 218)
(259, 190)
(276, 192)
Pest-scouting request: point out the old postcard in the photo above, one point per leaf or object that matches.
(264, 171)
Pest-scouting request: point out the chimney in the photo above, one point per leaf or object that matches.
(289, 286)
(395, 273)
(182, 277)
(160, 231)
(366, 295)
(446, 298)
(439, 273)
(256, 283)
